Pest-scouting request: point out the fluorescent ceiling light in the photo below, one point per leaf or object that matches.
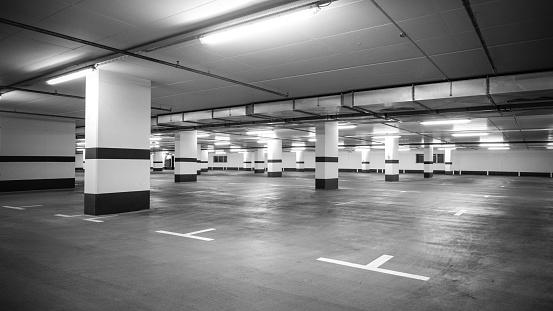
(220, 152)
(222, 138)
(155, 138)
(468, 134)
(445, 122)
(494, 145)
(80, 144)
(498, 148)
(263, 141)
(297, 149)
(550, 144)
(203, 135)
(222, 143)
(362, 149)
(70, 76)
(403, 149)
(450, 148)
(312, 139)
(387, 136)
(346, 126)
(298, 144)
(258, 26)
(342, 147)
(378, 147)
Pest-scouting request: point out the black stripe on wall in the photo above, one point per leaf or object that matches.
(326, 159)
(450, 163)
(112, 203)
(428, 162)
(117, 153)
(188, 160)
(274, 174)
(37, 159)
(274, 161)
(391, 161)
(259, 161)
(300, 162)
(36, 184)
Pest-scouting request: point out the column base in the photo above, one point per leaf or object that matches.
(199, 173)
(259, 171)
(114, 203)
(300, 170)
(428, 175)
(274, 174)
(186, 177)
(156, 169)
(247, 169)
(204, 170)
(394, 177)
(326, 184)
(449, 172)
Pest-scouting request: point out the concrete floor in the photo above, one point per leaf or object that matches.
(269, 233)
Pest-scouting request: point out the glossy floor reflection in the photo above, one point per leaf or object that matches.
(485, 243)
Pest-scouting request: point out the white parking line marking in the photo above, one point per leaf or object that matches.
(343, 203)
(93, 220)
(20, 208)
(68, 216)
(461, 212)
(189, 235)
(374, 266)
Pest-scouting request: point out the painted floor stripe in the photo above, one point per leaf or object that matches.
(20, 207)
(374, 266)
(461, 212)
(189, 235)
(68, 216)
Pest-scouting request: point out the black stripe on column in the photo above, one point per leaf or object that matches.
(450, 163)
(117, 153)
(449, 172)
(391, 177)
(257, 171)
(326, 184)
(37, 159)
(187, 160)
(186, 177)
(391, 161)
(36, 184)
(428, 175)
(275, 161)
(158, 162)
(112, 203)
(274, 174)
(428, 162)
(259, 161)
(326, 159)
(300, 162)
(365, 162)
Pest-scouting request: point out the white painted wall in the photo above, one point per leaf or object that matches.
(289, 160)
(23, 135)
(234, 159)
(79, 160)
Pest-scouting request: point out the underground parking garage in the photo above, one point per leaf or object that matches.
(276, 155)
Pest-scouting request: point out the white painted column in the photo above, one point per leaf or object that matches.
(274, 158)
(259, 161)
(448, 163)
(198, 159)
(300, 163)
(391, 159)
(326, 156)
(158, 161)
(428, 161)
(365, 162)
(204, 157)
(248, 161)
(186, 163)
(117, 175)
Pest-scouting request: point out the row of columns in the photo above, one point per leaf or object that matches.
(117, 148)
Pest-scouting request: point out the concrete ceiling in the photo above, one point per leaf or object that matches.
(366, 47)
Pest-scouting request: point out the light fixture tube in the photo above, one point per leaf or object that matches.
(468, 134)
(445, 122)
(258, 26)
(494, 145)
(388, 136)
(222, 143)
(70, 76)
(498, 148)
(346, 126)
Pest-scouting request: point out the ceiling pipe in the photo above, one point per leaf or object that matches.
(472, 17)
(135, 55)
(40, 92)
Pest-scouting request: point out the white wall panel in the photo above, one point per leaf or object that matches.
(36, 170)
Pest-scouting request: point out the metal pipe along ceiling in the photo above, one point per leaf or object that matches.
(135, 55)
